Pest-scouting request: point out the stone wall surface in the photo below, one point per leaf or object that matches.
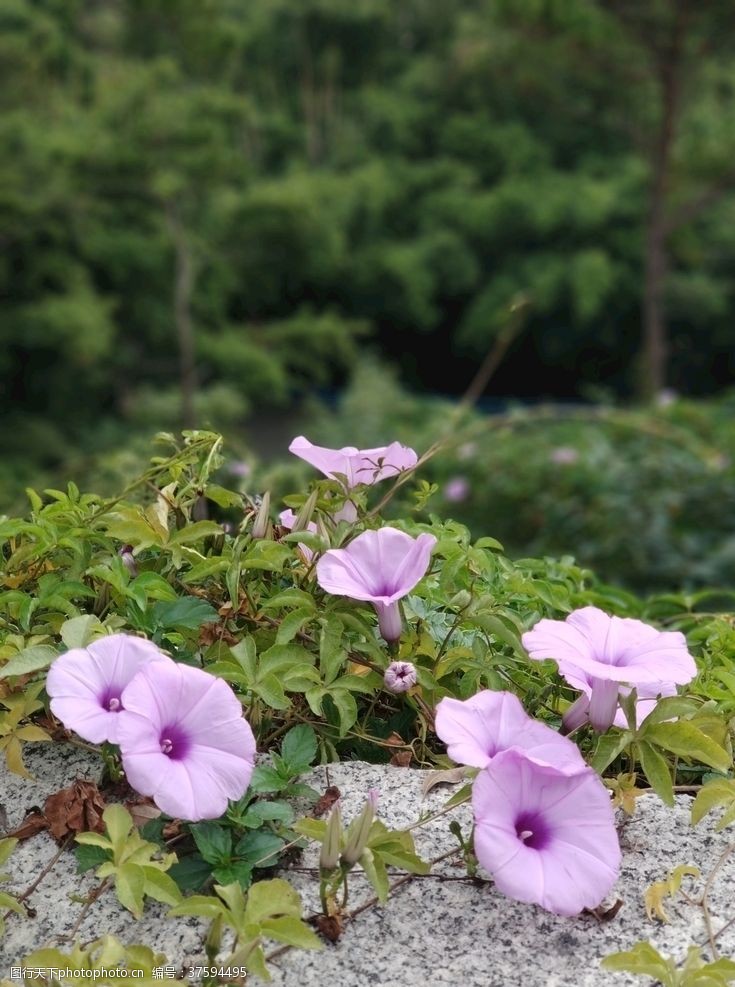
(438, 930)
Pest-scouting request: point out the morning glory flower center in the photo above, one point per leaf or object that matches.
(533, 831)
(174, 743)
(110, 700)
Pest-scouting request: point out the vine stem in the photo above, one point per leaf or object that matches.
(91, 899)
(49, 867)
(370, 903)
(711, 936)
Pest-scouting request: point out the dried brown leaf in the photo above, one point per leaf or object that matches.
(142, 810)
(214, 634)
(34, 822)
(76, 809)
(453, 776)
(326, 801)
(330, 926)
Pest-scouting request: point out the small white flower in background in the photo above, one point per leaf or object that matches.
(564, 455)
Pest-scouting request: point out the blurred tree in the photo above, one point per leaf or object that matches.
(207, 203)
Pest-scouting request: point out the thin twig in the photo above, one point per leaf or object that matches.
(49, 866)
(91, 899)
(711, 937)
(370, 903)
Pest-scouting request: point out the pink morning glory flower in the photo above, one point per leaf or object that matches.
(184, 740)
(357, 465)
(288, 520)
(400, 676)
(646, 701)
(380, 567)
(597, 654)
(546, 837)
(477, 729)
(86, 684)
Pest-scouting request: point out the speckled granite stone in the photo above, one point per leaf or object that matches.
(439, 930)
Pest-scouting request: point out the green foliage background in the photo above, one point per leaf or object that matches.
(300, 176)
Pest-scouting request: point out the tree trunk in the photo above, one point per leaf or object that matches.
(656, 262)
(183, 287)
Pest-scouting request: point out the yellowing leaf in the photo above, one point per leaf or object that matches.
(654, 896)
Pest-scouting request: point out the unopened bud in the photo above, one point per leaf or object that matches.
(358, 832)
(128, 559)
(400, 676)
(329, 856)
(304, 516)
(262, 522)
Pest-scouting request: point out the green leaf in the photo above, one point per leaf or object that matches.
(191, 873)
(222, 497)
(118, 823)
(643, 959)
(714, 794)
(298, 748)
(668, 708)
(206, 906)
(657, 771)
(684, 739)
(268, 899)
(376, 872)
(7, 846)
(270, 556)
(203, 570)
(161, 886)
(151, 586)
(261, 812)
(266, 779)
(270, 690)
(292, 931)
(239, 872)
(80, 631)
(313, 829)
(194, 532)
(331, 652)
(30, 659)
(187, 612)
(260, 848)
(90, 856)
(292, 624)
(213, 841)
(495, 626)
(609, 746)
(130, 887)
(346, 709)
(255, 964)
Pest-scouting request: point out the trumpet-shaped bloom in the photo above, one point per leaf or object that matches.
(545, 836)
(86, 684)
(379, 567)
(596, 653)
(357, 465)
(477, 729)
(400, 676)
(184, 740)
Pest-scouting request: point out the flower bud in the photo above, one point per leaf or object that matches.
(399, 676)
(128, 559)
(329, 856)
(358, 832)
(304, 516)
(262, 523)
